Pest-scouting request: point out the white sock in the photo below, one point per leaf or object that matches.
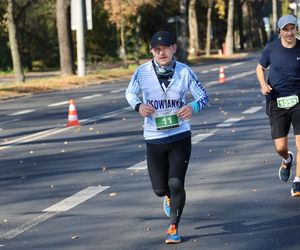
(297, 179)
(288, 160)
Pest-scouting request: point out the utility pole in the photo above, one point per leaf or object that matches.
(81, 20)
(80, 39)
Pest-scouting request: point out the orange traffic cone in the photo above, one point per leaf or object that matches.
(221, 75)
(72, 117)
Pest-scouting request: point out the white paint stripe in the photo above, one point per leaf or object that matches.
(214, 69)
(213, 83)
(22, 112)
(91, 96)
(76, 199)
(204, 71)
(252, 110)
(229, 122)
(32, 137)
(237, 64)
(10, 121)
(108, 115)
(62, 206)
(58, 104)
(54, 131)
(202, 136)
(26, 226)
(139, 166)
(118, 90)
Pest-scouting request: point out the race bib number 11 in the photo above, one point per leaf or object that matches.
(166, 121)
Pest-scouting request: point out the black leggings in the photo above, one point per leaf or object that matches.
(167, 165)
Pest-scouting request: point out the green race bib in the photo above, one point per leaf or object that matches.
(166, 120)
(287, 102)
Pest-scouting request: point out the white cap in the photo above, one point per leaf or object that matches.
(288, 19)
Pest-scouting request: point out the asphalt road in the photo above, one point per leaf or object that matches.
(87, 187)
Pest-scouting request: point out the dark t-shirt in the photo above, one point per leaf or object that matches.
(284, 73)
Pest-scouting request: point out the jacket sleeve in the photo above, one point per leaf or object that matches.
(201, 98)
(133, 91)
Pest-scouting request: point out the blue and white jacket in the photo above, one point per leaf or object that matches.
(144, 81)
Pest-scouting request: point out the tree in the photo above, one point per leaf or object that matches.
(64, 37)
(274, 16)
(13, 41)
(182, 39)
(230, 29)
(208, 27)
(194, 48)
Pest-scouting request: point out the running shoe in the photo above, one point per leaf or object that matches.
(285, 169)
(173, 236)
(295, 191)
(166, 205)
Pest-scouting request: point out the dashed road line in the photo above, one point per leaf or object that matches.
(57, 208)
(229, 122)
(22, 112)
(76, 199)
(202, 136)
(91, 96)
(118, 90)
(252, 110)
(58, 104)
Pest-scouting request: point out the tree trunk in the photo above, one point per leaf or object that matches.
(13, 41)
(274, 16)
(137, 42)
(240, 23)
(208, 28)
(122, 47)
(230, 29)
(64, 37)
(182, 55)
(194, 48)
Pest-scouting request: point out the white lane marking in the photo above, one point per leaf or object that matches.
(32, 137)
(26, 226)
(202, 136)
(204, 71)
(214, 69)
(91, 96)
(58, 104)
(252, 110)
(76, 199)
(118, 90)
(54, 131)
(229, 122)
(10, 121)
(237, 76)
(107, 115)
(57, 208)
(237, 64)
(139, 166)
(22, 112)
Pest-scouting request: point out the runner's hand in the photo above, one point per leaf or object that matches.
(146, 110)
(185, 113)
(265, 89)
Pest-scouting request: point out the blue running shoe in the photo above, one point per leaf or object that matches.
(295, 191)
(285, 169)
(173, 236)
(166, 205)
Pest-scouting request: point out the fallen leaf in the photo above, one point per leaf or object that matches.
(113, 194)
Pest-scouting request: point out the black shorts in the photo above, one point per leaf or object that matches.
(281, 119)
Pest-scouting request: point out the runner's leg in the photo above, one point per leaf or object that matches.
(178, 160)
(158, 168)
